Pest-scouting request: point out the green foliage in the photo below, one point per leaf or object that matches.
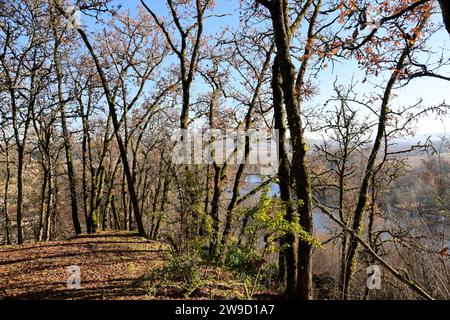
(239, 260)
(269, 217)
(269, 273)
(266, 219)
(207, 222)
(199, 246)
(181, 268)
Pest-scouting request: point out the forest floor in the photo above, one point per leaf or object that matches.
(113, 265)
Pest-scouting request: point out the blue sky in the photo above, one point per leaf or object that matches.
(432, 91)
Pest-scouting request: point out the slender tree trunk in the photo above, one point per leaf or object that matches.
(65, 131)
(114, 212)
(5, 195)
(85, 151)
(85, 191)
(162, 208)
(21, 137)
(66, 135)
(279, 14)
(110, 194)
(71, 175)
(215, 245)
(42, 205)
(201, 226)
(48, 210)
(244, 224)
(344, 237)
(155, 202)
(358, 214)
(55, 207)
(130, 216)
(237, 180)
(20, 158)
(215, 240)
(288, 256)
(125, 203)
(116, 126)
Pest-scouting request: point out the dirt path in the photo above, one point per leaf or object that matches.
(109, 264)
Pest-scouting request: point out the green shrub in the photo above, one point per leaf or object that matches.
(240, 260)
(181, 268)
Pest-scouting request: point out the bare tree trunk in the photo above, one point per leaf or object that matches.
(85, 152)
(201, 230)
(156, 198)
(237, 180)
(114, 212)
(65, 131)
(116, 126)
(279, 14)
(358, 215)
(54, 210)
(20, 137)
(5, 195)
(405, 280)
(110, 194)
(288, 257)
(215, 240)
(20, 194)
(166, 188)
(85, 185)
(70, 174)
(42, 206)
(48, 211)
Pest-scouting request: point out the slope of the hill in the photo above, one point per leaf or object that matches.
(113, 265)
